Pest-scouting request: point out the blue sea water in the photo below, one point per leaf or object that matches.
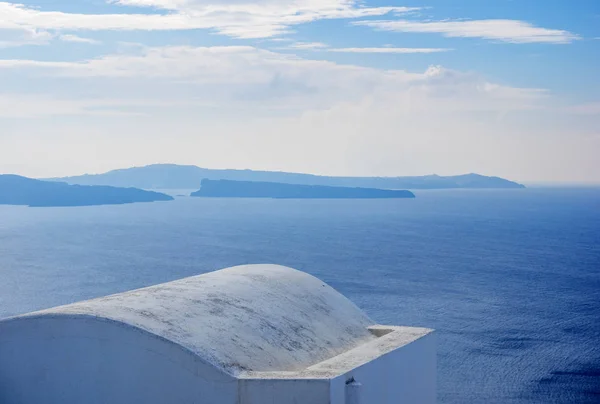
(510, 279)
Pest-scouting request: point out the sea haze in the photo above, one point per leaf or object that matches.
(510, 279)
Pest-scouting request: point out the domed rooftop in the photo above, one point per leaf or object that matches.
(254, 318)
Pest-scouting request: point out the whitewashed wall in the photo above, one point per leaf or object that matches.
(75, 361)
(406, 375)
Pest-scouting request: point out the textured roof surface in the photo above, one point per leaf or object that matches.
(262, 318)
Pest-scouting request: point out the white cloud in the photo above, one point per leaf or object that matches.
(385, 49)
(308, 45)
(20, 36)
(77, 39)
(159, 4)
(240, 19)
(389, 50)
(15, 63)
(42, 105)
(228, 75)
(591, 108)
(512, 31)
(244, 74)
(14, 16)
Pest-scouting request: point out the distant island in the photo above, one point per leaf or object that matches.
(171, 176)
(248, 189)
(17, 190)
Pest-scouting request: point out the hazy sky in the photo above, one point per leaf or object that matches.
(340, 87)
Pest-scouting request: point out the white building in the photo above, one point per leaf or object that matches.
(259, 334)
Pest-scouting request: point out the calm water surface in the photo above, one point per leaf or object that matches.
(510, 279)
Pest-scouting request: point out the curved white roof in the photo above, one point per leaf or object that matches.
(256, 318)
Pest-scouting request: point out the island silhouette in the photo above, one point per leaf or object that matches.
(249, 189)
(172, 176)
(17, 190)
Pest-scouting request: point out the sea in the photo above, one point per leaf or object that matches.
(510, 279)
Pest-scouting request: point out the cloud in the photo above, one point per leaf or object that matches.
(385, 49)
(389, 50)
(308, 45)
(224, 74)
(43, 105)
(23, 36)
(512, 31)
(158, 4)
(592, 108)
(20, 36)
(238, 75)
(17, 63)
(241, 19)
(19, 16)
(77, 39)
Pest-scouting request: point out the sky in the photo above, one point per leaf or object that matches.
(335, 87)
